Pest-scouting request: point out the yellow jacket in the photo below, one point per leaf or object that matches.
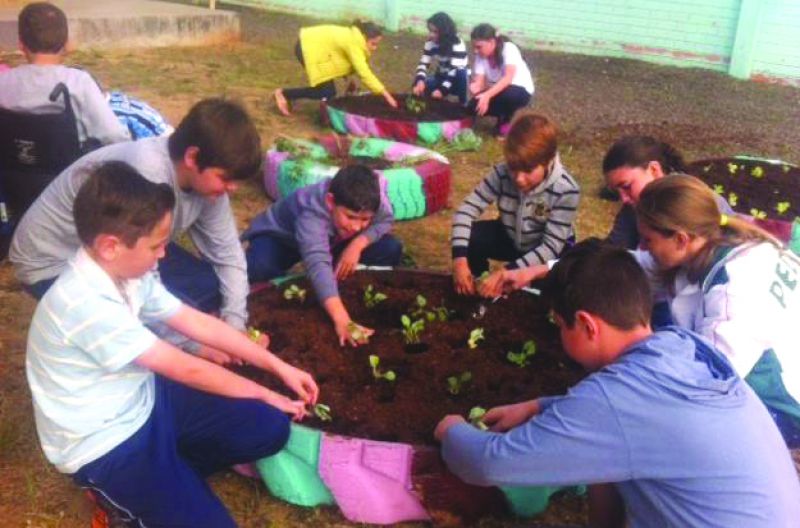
(335, 51)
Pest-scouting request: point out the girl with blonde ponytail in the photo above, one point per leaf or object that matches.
(729, 281)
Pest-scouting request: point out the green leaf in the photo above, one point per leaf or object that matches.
(406, 321)
(390, 376)
(374, 361)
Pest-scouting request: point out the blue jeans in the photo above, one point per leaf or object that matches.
(457, 88)
(156, 477)
(270, 256)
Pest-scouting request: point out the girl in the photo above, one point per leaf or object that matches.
(446, 47)
(537, 199)
(327, 52)
(502, 83)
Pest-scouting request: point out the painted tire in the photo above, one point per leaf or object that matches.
(428, 132)
(414, 191)
(385, 482)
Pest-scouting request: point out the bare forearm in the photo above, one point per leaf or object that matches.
(336, 310)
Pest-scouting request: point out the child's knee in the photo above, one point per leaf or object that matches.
(274, 430)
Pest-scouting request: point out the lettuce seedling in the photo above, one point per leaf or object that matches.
(374, 361)
(293, 292)
(732, 168)
(412, 330)
(475, 336)
(357, 333)
(456, 383)
(475, 417)
(521, 358)
(757, 213)
(757, 172)
(733, 199)
(415, 105)
(323, 412)
(719, 189)
(782, 207)
(373, 297)
(254, 334)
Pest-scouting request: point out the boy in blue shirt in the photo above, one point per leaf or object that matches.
(344, 220)
(664, 421)
(129, 417)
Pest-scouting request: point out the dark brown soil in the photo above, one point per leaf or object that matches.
(375, 106)
(409, 409)
(773, 189)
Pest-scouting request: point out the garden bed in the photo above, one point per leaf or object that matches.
(767, 191)
(415, 120)
(387, 425)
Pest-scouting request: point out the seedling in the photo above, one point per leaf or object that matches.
(782, 207)
(521, 358)
(357, 333)
(412, 330)
(420, 302)
(475, 336)
(483, 276)
(732, 168)
(415, 105)
(785, 169)
(442, 314)
(254, 334)
(456, 383)
(373, 297)
(323, 412)
(475, 417)
(708, 167)
(719, 189)
(374, 362)
(294, 292)
(733, 199)
(757, 172)
(757, 213)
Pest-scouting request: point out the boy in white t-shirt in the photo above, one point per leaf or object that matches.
(502, 82)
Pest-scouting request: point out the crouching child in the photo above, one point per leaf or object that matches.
(332, 226)
(663, 426)
(129, 417)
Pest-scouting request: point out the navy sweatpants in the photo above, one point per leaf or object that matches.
(155, 478)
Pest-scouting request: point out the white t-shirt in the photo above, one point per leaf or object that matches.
(511, 57)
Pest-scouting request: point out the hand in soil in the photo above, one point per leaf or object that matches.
(437, 94)
(294, 408)
(494, 284)
(419, 88)
(390, 100)
(446, 423)
(298, 381)
(281, 102)
(505, 417)
(462, 277)
(353, 334)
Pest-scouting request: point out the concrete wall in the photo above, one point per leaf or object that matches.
(747, 38)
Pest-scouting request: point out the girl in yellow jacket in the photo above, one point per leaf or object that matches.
(328, 52)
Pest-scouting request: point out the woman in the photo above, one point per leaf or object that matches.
(327, 52)
(502, 82)
(450, 53)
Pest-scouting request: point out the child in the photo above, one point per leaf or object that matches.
(327, 52)
(537, 199)
(345, 220)
(502, 82)
(629, 165)
(663, 417)
(135, 421)
(42, 38)
(215, 145)
(446, 47)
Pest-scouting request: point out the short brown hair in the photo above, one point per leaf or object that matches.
(42, 28)
(532, 141)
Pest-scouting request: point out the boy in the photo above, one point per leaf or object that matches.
(664, 418)
(43, 37)
(344, 220)
(131, 418)
(215, 145)
(537, 200)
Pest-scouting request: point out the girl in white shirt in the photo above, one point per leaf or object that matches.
(502, 82)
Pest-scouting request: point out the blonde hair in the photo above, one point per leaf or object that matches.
(680, 202)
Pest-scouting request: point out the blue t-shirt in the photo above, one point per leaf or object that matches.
(686, 441)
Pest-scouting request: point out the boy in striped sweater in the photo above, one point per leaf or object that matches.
(450, 53)
(537, 200)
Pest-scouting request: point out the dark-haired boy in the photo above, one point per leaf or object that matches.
(663, 417)
(345, 220)
(132, 419)
(43, 35)
(213, 147)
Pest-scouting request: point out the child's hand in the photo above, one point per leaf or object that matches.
(390, 100)
(348, 260)
(353, 333)
(300, 382)
(492, 286)
(475, 88)
(294, 408)
(419, 88)
(505, 417)
(483, 103)
(462, 277)
(446, 423)
(437, 94)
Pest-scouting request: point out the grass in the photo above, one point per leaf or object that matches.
(595, 100)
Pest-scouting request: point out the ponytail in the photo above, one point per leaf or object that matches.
(370, 30)
(638, 151)
(488, 32)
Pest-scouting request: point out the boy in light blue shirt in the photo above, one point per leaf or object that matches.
(664, 429)
(131, 418)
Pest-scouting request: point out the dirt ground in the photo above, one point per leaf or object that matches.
(594, 100)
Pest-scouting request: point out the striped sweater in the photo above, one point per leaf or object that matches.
(447, 65)
(539, 222)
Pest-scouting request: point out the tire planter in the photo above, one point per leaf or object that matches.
(765, 192)
(381, 482)
(407, 130)
(418, 190)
